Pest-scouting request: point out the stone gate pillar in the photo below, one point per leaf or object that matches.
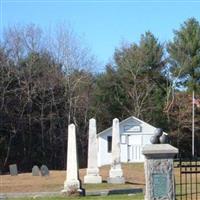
(159, 173)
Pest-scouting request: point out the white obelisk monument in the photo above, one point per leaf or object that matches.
(92, 175)
(72, 183)
(116, 173)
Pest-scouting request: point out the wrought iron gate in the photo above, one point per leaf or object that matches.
(188, 181)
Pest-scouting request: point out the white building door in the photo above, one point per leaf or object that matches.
(134, 148)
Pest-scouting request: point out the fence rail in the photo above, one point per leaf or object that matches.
(188, 185)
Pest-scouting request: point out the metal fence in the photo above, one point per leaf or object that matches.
(187, 178)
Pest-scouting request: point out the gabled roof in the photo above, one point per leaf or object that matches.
(123, 121)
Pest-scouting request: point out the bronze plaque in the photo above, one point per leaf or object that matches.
(160, 185)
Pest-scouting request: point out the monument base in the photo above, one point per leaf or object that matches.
(116, 176)
(92, 179)
(115, 172)
(116, 180)
(72, 188)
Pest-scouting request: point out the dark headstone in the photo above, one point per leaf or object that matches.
(13, 170)
(44, 170)
(35, 171)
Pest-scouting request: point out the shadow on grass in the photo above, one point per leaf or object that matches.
(128, 182)
(133, 183)
(126, 191)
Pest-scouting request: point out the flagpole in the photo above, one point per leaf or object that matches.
(193, 123)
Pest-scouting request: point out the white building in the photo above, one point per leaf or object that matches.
(134, 134)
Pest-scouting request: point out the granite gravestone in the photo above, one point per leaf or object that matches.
(13, 170)
(159, 174)
(116, 172)
(44, 170)
(72, 184)
(35, 171)
(92, 175)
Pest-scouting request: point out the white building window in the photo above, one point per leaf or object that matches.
(109, 144)
(123, 139)
(132, 128)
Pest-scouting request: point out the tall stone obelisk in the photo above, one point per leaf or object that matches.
(92, 168)
(116, 173)
(72, 183)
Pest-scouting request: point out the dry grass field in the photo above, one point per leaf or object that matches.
(134, 174)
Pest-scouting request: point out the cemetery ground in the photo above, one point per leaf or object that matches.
(25, 182)
(112, 197)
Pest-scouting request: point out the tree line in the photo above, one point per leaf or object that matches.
(48, 80)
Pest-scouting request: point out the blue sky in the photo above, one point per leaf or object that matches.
(103, 24)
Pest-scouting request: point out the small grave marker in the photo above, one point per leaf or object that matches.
(13, 170)
(44, 170)
(35, 171)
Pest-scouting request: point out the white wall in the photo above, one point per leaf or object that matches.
(104, 157)
(135, 132)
